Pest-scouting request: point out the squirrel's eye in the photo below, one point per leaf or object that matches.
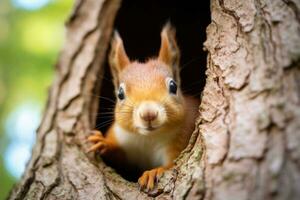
(121, 93)
(172, 87)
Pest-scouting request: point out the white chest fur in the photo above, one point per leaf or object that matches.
(144, 151)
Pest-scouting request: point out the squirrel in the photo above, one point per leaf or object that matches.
(153, 121)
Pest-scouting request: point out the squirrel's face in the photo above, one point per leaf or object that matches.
(148, 96)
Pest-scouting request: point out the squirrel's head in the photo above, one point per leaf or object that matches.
(148, 94)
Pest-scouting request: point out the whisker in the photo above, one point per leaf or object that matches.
(109, 120)
(101, 97)
(171, 113)
(111, 108)
(101, 125)
(107, 116)
(110, 100)
(164, 100)
(104, 78)
(130, 101)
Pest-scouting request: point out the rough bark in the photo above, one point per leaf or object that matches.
(247, 140)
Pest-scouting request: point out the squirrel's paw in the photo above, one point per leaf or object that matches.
(100, 145)
(148, 179)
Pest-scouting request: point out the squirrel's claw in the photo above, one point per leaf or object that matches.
(148, 179)
(95, 138)
(96, 132)
(97, 146)
(98, 138)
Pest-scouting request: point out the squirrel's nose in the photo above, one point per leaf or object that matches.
(149, 115)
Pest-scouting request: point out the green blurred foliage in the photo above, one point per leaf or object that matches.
(29, 45)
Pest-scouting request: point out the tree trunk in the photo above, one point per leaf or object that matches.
(246, 144)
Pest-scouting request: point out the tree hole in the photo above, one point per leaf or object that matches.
(139, 24)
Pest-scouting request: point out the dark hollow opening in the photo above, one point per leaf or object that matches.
(139, 24)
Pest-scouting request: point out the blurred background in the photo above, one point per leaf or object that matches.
(31, 35)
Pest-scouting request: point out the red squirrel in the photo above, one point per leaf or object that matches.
(153, 121)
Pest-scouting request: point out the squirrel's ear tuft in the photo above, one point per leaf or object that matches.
(118, 58)
(169, 52)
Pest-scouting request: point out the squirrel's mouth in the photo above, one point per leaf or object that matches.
(151, 128)
(146, 130)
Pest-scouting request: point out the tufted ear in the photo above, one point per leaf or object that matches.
(169, 52)
(118, 58)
